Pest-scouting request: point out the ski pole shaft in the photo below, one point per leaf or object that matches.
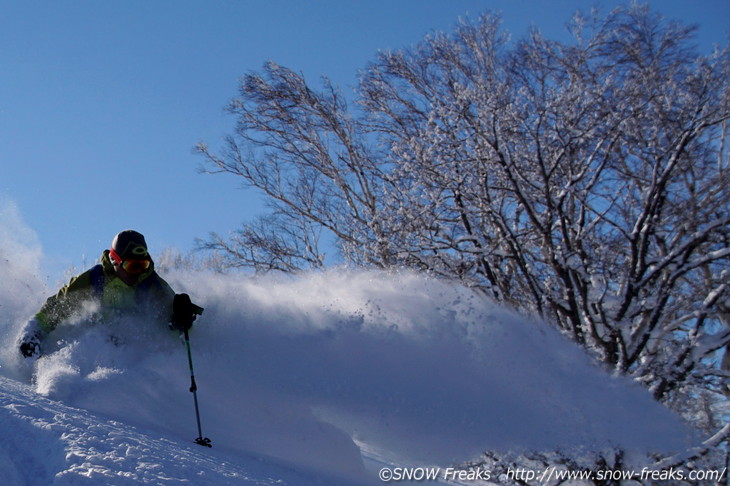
(194, 390)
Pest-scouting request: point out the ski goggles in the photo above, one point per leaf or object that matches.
(130, 266)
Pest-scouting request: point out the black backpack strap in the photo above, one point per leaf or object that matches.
(153, 281)
(97, 279)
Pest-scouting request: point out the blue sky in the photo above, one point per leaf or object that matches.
(101, 103)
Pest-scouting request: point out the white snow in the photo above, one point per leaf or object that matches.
(308, 380)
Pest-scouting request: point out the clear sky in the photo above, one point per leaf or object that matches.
(101, 103)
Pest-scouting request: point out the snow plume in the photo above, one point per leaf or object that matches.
(21, 291)
(322, 371)
(421, 368)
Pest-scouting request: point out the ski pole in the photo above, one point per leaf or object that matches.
(194, 389)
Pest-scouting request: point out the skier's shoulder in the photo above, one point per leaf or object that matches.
(80, 282)
(94, 277)
(165, 287)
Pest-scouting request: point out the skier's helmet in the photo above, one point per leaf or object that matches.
(130, 245)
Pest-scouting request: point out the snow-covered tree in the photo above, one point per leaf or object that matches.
(585, 181)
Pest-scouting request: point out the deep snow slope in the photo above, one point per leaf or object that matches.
(48, 443)
(302, 373)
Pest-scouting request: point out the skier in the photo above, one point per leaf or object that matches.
(124, 282)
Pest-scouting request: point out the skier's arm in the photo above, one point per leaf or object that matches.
(67, 301)
(57, 308)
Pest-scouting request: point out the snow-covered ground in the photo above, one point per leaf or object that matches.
(316, 379)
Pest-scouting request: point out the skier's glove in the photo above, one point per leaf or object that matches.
(184, 312)
(30, 345)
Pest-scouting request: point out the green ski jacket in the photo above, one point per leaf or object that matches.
(151, 296)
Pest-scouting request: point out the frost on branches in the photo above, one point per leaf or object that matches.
(585, 181)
